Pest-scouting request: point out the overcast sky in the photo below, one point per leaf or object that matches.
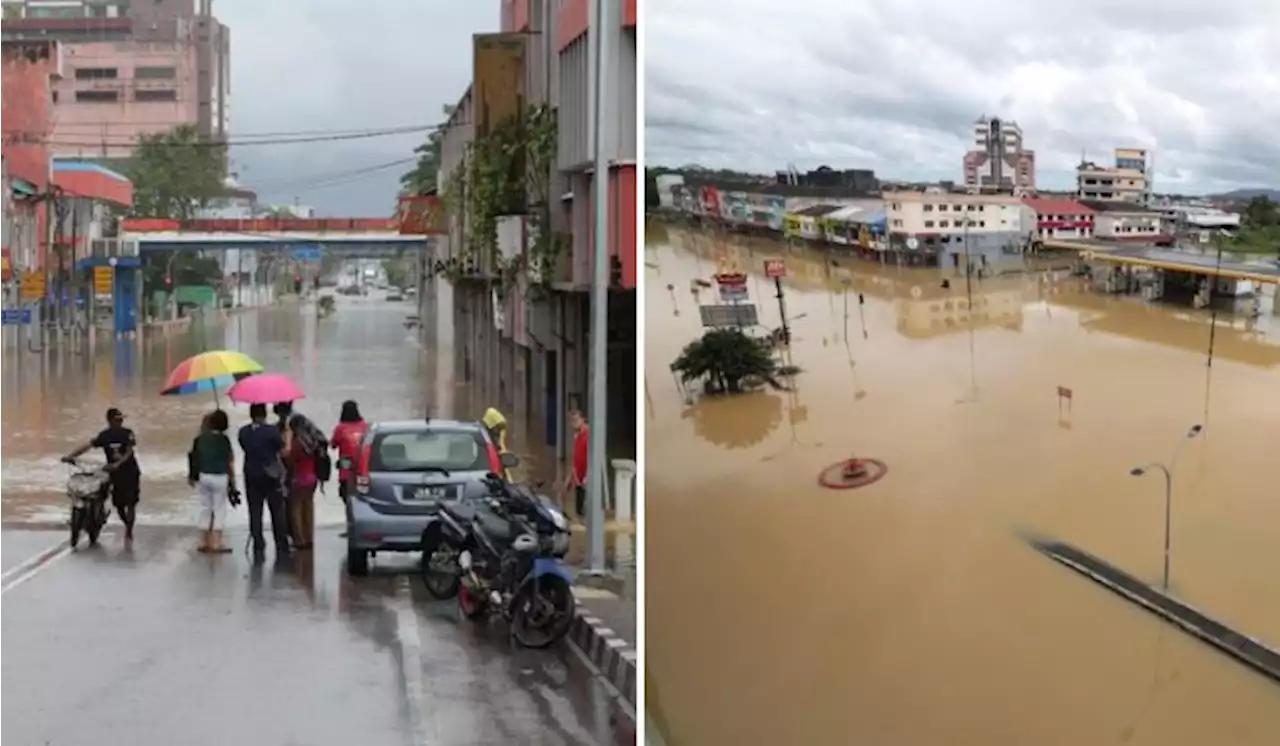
(895, 85)
(336, 64)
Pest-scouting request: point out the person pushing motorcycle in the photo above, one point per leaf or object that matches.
(118, 444)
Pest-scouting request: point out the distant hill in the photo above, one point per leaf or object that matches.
(1244, 195)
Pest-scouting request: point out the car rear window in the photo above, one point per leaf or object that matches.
(449, 450)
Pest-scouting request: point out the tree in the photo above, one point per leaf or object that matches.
(728, 361)
(397, 272)
(175, 174)
(421, 179)
(1261, 212)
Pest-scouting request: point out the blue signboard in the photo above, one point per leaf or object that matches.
(307, 253)
(17, 316)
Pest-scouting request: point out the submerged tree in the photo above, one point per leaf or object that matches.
(729, 361)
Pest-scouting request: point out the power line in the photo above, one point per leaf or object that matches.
(284, 133)
(324, 181)
(18, 137)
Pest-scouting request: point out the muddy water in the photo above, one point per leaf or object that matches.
(911, 611)
(362, 352)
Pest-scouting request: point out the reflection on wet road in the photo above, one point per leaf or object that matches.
(161, 645)
(914, 612)
(361, 352)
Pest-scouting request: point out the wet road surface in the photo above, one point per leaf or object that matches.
(199, 650)
(912, 611)
(161, 645)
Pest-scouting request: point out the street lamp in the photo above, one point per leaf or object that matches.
(1138, 471)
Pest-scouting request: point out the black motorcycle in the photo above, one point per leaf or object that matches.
(509, 548)
(446, 537)
(87, 490)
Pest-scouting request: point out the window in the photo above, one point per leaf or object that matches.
(971, 208)
(928, 223)
(97, 97)
(417, 451)
(162, 94)
(943, 224)
(155, 73)
(957, 208)
(96, 73)
(928, 208)
(982, 224)
(897, 223)
(895, 206)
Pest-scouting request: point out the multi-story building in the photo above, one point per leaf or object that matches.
(526, 349)
(942, 227)
(29, 71)
(1129, 180)
(132, 68)
(998, 163)
(1061, 218)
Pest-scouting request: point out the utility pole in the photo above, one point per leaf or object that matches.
(601, 30)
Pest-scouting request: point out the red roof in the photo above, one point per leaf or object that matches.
(1056, 206)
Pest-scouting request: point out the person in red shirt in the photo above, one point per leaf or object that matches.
(577, 479)
(346, 440)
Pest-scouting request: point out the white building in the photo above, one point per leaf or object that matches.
(988, 227)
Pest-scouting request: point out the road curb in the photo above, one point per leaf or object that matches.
(614, 656)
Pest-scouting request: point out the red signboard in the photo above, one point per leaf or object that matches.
(775, 268)
(420, 216)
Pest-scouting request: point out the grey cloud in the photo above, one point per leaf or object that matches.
(896, 84)
(337, 64)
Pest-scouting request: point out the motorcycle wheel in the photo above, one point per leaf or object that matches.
(441, 573)
(468, 605)
(77, 522)
(95, 519)
(551, 599)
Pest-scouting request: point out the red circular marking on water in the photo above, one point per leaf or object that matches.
(834, 477)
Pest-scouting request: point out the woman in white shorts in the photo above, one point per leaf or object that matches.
(211, 472)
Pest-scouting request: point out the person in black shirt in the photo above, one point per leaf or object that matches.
(264, 480)
(118, 444)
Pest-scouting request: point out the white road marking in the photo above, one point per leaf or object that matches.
(415, 684)
(33, 565)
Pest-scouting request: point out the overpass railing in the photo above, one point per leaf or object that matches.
(260, 225)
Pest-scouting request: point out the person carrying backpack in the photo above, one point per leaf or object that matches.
(307, 452)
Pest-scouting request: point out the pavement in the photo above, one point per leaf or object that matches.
(160, 645)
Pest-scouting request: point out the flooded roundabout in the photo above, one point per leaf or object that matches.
(912, 610)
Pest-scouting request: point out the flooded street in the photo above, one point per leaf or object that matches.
(196, 649)
(912, 611)
(362, 352)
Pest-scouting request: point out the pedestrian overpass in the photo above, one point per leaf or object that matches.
(1137, 255)
(350, 238)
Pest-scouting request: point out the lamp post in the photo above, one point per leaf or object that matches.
(1167, 469)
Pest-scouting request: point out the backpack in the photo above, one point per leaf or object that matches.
(324, 466)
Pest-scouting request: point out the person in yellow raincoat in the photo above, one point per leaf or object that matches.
(496, 424)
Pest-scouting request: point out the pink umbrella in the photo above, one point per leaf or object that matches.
(265, 388)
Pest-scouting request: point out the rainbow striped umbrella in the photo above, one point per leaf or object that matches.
(209, 371)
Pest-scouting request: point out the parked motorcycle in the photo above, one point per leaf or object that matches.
(446, 537)
(87, 490)
(509, 550)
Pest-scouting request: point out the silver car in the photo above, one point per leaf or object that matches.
(402, 473)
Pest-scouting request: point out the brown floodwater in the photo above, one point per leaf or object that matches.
(912, 611)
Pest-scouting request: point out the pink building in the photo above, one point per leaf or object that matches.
(112, 92)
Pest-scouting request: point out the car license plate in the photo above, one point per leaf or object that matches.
(431, 493)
